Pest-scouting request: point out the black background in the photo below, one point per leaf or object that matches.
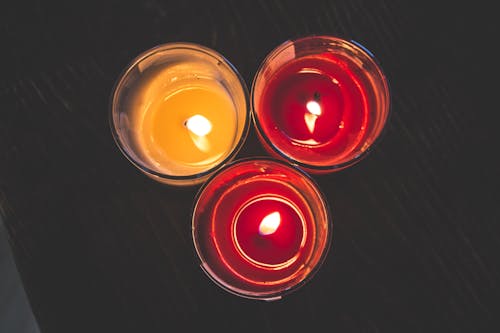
(102, 248)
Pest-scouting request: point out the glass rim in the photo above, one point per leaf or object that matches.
(275, 295)
(178, 46)
(312, 167)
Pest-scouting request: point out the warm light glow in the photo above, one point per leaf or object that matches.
(314, 112)
(314, 108)
(199, 125)
(270, 223)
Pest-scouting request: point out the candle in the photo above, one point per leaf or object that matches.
(261, 228)
(180, 112)
(320, 102)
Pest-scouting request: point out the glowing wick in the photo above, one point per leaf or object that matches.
(314, 108)
(269, 224)
(198, 125)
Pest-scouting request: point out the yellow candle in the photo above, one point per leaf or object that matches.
(192, 127)
(180, 111)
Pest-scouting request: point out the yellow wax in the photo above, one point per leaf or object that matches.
(168, 142)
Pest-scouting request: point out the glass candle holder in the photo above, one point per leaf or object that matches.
(261, 228)
(179, 112)
(320, 102)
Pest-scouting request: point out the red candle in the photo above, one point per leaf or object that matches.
(320, 102)
(260, 228)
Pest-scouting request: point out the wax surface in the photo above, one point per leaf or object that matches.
(165, 137)
(231, 224)
(272, 244)
(315, 110)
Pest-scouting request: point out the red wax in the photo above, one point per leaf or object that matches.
(260, 227)
(273, 243)
(315, 108)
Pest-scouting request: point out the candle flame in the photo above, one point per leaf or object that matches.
(314, 108)
(270, 224)
(198, 125)
(310, 117)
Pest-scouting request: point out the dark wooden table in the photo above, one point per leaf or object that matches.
(101, 248)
